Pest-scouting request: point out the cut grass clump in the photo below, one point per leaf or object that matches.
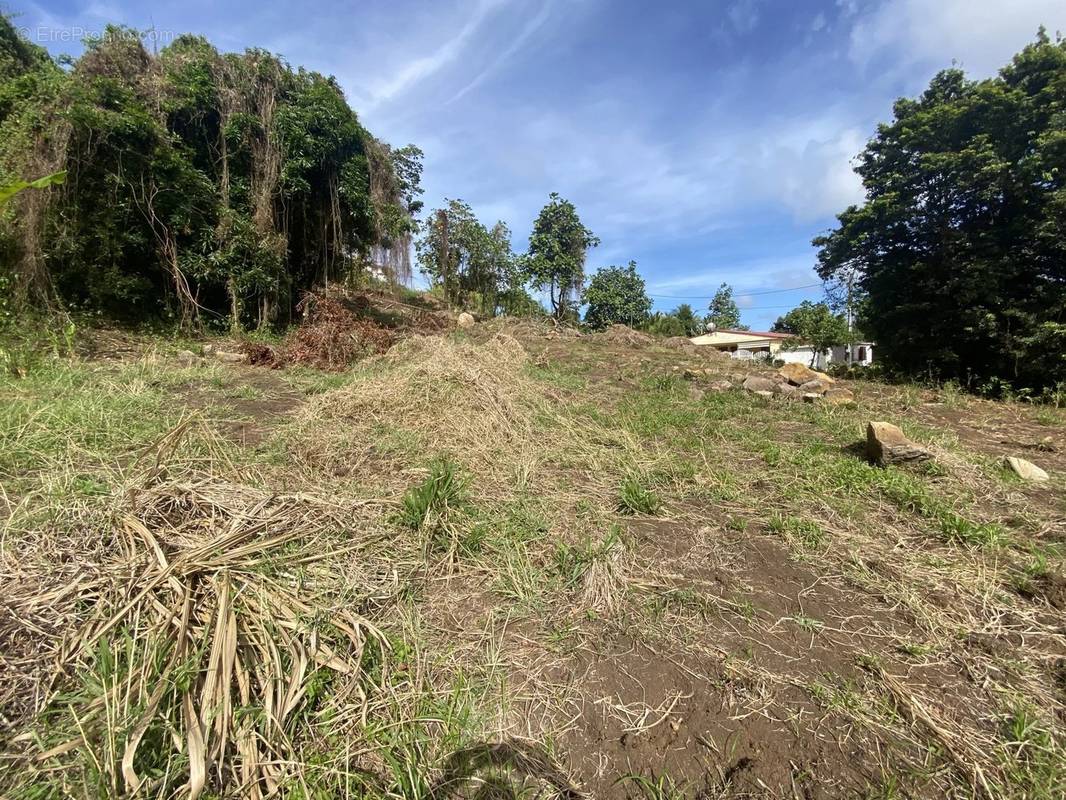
(634, 498)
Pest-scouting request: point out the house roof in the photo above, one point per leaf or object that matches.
(756, 334)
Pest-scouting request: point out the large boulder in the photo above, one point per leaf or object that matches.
(1026, 470)
(799, 374)
(466, 320)
(886, 444)
(758, 383)
(784, 388)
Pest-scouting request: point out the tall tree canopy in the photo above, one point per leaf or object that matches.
(724, 312)
(960, 246)
(616, 295)
(197, 182)
(557, 249)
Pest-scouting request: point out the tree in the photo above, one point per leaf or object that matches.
(557, 249)
(814, 324)
(959, 251)
(200, 184)
(691, 324)
(724, 313)
(473, 265)
(616, 295)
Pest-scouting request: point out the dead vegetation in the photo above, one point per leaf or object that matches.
(495, 562)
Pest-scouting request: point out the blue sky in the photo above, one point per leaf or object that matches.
(708, 141)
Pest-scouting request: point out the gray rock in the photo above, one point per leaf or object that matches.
(811, 397)
(886, 444)
(762, 393)
(757, 383)
(814, 386)
(1026, 470)
(784, 389)
(187, 358)
(719, 386)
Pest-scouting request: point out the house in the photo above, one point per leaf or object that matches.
(769, 345)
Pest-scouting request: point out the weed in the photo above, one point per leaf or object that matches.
(654, 787)
(429, 504)
(634, 498)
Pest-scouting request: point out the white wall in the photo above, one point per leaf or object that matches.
(802, 355)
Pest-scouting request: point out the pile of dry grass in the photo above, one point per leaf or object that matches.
(471, 401)
(193, 669)
(623, 334)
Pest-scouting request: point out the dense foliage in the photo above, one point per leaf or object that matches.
(814, 324)
(682, 321)
(473, 266)
(616, 295)
(557, 249)
(960, 246)
(723, 312)
(200, 184)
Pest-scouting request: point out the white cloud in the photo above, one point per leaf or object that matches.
(423, 67)
(982, 35)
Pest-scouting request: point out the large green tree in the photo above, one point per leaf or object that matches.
(616, 295)
(814, 324)
(959, 251)
(557, 249)
(724, 314)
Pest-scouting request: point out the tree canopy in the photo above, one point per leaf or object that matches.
(472, 265)
(199, 184)
(959, 250)
(557, 249)
(616, 295)
(724, 312)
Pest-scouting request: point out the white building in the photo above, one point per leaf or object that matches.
(775, 346)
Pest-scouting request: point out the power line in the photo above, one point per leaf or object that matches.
(735, 292)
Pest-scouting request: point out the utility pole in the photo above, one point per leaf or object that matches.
(850, 317)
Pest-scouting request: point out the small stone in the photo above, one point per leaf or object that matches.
(757, 383)
(227, 357)
(692, 374)
(466, 320)
(811, 397)
(762, 393)
(695, 393)
(839, 397)
(886, 444)
(720, 386)
(1026, 470)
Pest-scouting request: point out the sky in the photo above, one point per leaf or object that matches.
(707, 141)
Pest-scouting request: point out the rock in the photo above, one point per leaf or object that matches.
(762, 393)
(799, 374)
(719, 386)
(227, 357)
(695, 393)
(1026, 470)
(466, 320)
(886, 444)
(692, 374)
(757, 383)
(814, 386)
(839, 397)
(811, 397)
(784, 388)
(187, 358)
